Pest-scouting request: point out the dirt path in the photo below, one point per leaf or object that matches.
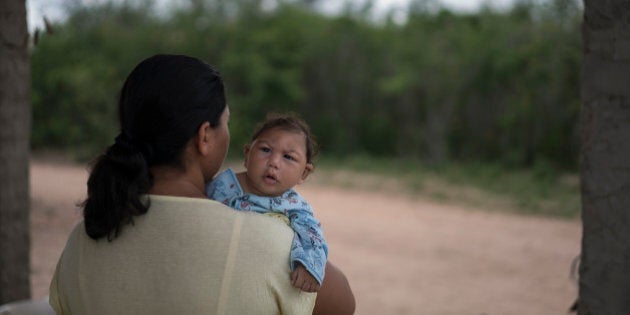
(401, 255)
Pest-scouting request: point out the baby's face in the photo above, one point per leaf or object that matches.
(276, 161)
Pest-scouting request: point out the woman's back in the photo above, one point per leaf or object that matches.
(185, 256)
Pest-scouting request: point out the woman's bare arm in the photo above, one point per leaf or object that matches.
(335, 295)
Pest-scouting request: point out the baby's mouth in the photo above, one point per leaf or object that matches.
(270, 179)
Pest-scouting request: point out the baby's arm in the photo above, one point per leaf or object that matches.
(303, 280)
(309, 250)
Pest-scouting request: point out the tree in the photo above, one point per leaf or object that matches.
(605, 159)
(15, 128)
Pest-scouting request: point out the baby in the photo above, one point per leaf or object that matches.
(279, 157)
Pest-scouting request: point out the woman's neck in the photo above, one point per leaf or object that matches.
(172, 181)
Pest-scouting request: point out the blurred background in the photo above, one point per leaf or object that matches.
(471, 91)
(445, 104)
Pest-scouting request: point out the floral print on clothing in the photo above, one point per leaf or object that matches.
(309, 247)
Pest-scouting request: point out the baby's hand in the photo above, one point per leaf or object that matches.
(303, 280)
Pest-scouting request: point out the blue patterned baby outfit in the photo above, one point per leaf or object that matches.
(309, 247)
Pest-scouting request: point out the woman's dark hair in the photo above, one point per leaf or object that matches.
(293, 123)
(162, 104)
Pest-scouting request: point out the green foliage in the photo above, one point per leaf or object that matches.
(442, 86)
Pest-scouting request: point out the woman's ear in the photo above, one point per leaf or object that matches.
(308, 169)
(203, 140)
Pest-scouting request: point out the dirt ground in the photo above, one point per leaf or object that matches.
(402, 255)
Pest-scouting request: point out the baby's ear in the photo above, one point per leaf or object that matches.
(308, 169)
(246, 150)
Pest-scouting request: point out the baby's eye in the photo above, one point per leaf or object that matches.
(265, 149)
(289, 157)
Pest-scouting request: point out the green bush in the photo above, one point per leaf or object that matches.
(497, 87)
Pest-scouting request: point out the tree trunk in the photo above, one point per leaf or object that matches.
(15, 126)
(605, 159)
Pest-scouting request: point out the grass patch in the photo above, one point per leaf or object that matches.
(540, 190)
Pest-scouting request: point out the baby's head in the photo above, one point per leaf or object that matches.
(280, 155)
(291, 123)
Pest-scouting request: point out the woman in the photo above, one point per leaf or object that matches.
(151, 242)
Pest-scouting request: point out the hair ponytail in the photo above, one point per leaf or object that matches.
(117, 181)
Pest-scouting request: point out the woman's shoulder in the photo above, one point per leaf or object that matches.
(185, 210)
(165, 202)
(207, 218)
(201, 209)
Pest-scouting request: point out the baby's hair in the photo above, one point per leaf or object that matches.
(293, 123)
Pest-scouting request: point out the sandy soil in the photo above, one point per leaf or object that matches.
(402, 255)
